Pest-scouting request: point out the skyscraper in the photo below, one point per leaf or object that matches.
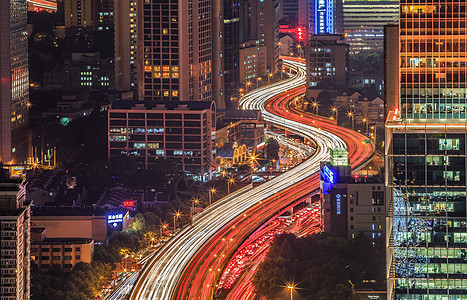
(175, 53)
(126, 44)
(364, 21)
(14, 80)
(79, 14)
(15, 243)
(425, 147)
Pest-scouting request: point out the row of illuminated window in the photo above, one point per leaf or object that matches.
(416, 62)
(168, 123)
(435, 284)
(154, 145)
(416, 108)
(408, 238)
(160, 152)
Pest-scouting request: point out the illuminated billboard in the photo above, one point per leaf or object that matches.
(324, 16)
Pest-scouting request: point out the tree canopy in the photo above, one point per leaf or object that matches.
(322, 267)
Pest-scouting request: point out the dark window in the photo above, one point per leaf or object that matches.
(45, 250)
(155, 116)
(136, 123)
(78, 249)
(192, 116)
(136, 116)
(118, 115)
(173, 116)
(68, 266)
(117, 122)
(68, 249)
(78, 256)
(45, 257)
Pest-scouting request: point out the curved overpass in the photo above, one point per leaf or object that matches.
(189, 265)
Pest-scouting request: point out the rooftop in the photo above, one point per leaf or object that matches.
(63, 241)
(162, 105)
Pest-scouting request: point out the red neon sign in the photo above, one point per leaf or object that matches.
(128, 203)
(300, 33)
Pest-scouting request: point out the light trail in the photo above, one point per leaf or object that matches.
(182, 268)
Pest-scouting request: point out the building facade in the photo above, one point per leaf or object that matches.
(326, 62)
(149, 130)
(15, 243)
(14, 83)
(364, 22)
(252, 61)
(351, 205)
(126, 45)
(425, 148)
(80, 14)
(172, 68)
(61, 253)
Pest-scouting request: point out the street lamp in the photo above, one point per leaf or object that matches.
(316, 107)
(248, 83)
(351, 115)
(176, 215)
(211, 191)
(269, 77)
(257, 81)
(164, 225)
(365, 120)
(231, 180)
(193, 202)
(291, 288)
(334, 110)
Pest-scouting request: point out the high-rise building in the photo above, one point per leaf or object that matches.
(14, 243)
(327, 58)
(79, 14)
(260, 22)
(232, 36)
(105, 14)
(425, 148)
(364, 21)
(126, 44)
(175, 53)
(219, 50)
(14, 80)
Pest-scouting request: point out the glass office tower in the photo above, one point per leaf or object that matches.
(426, 141)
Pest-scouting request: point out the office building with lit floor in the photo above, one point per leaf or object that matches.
(364, 22)
(425, 148)
(149, 130)
(15, 213)
(14, 81)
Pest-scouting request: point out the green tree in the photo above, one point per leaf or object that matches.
(272, 149)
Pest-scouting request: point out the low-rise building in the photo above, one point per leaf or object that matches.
(59, 253)
(148, 130)
(71, 222)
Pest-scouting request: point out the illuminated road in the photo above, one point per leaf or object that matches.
(189, 265)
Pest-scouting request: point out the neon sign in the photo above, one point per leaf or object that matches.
(324, 16)
(338, 204)
(328, 175)
(128, 203)
(113, 219)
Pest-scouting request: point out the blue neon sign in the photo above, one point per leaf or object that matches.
(324, 16)
(113, 219)
(338, 204)
(329, 175)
